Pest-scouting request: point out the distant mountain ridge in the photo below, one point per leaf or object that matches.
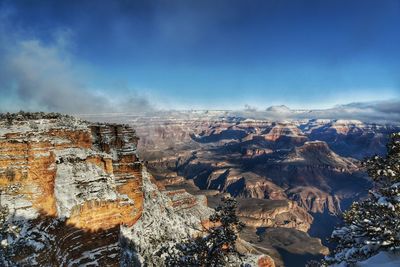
(380, 112)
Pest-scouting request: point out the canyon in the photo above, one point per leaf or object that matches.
(74, 193)
(292, 178)
(80, 192)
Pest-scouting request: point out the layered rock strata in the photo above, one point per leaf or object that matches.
(274, 213)
(63, 179)
(71, 169)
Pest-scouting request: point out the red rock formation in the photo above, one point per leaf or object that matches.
(28, 161)
(282, 130)
(85, 178)
(274, 213)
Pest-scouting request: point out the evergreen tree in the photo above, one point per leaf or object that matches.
(4, 232)
(216, 247)
(373, 225)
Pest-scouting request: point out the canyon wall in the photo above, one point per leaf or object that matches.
(70, 169)
(62, 179)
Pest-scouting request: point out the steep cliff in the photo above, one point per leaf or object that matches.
(68, 185)
(66, 168)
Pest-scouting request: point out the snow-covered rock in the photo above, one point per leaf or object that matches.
(161, 225)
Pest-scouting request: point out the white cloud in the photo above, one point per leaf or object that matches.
(39, 76)
(375, 111)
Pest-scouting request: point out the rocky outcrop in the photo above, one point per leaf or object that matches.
(168, 217)
(255, 186)
(274, 213)
(63, 178)
(255, 152)
(318, 153)
(265, 261)
(315, 200)
(286, 246)
(66, 168)
(280, 130)
(293, 242)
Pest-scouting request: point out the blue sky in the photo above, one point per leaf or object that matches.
(199, 54)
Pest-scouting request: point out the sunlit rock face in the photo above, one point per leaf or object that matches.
(68, 168)
(274, 213)
(69, 184)
(169, 217)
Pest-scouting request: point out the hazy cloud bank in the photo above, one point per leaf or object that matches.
(44, 76)
(382, 111)
(379, 111)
